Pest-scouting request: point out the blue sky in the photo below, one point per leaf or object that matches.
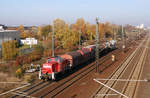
(39, 12)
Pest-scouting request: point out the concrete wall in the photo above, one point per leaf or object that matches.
(9, 35)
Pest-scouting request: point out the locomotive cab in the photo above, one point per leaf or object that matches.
(49, 70)
(53, 67)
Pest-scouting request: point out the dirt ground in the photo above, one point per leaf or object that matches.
(7, 86)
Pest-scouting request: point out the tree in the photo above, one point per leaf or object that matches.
(89, 33)
(9, 50)
(70, 39)
(24, 35)
(80, 24)
(108, 30)
(62, 33)
(44, 31)
(59, 25)
(39, 33)
(102, 32)
(21, 28)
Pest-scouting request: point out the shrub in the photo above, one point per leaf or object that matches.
(28, 58)
(25, 67)
(19, 73)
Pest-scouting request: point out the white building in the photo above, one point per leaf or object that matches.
(140, 26)
(1, 28)
(29, 41)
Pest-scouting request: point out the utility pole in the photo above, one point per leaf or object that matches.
(80, 39)
(116, 31)
(139, 34)
(53, 41)
(114, 34)
(123, 39)
(97, 45)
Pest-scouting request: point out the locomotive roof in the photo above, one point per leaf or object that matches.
(74, 53)
(56, 58)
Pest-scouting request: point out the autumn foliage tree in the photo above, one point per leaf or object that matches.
(102, 31)
(9, 50)
(108, 30)
(22, 31)
(59, 25)
(90, 31)
(65, 35)
(21, 28)
(39, 33)
(44, 31)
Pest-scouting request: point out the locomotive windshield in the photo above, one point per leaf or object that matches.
(49, 60)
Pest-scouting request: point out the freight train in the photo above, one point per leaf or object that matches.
(62, 63)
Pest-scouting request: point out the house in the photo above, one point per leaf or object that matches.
(29, 41)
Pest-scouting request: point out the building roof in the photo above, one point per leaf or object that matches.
(8, 31)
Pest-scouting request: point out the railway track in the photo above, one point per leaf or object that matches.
(125, 71)
(131, 87)
(34, 88)
(55, 90)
